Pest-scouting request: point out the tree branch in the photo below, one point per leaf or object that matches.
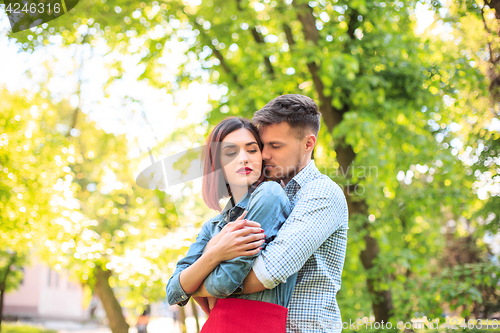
(493, 60)
(306, 17)
(494, 4)
(331, 115)
(289, 35)
(257, 36)
(259, 39)
(74, 120)
(352, 23)
(286, 28)
(216, 52)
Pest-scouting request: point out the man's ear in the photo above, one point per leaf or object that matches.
(310, 141)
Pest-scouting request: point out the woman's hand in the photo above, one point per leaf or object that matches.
(231, 226)
(243, 241)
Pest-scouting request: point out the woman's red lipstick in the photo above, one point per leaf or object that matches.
(244, 171)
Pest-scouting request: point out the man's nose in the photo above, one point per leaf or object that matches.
(265, 154)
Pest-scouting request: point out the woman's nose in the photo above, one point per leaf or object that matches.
(243, 156)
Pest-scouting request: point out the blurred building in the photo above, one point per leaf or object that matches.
(45, 294)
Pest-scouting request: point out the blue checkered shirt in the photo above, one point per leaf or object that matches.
(313, 242)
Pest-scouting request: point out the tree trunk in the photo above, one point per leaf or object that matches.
(2, 291)
(117, 322)
(381, 299)
(195, 314)
(3, 285)
(182, 319)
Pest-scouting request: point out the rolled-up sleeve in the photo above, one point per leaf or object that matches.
(259, 268)
(269, 206)
(175, 293)
(317, 214)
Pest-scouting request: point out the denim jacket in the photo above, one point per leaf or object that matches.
(268, 205)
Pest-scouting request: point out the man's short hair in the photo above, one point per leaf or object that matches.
(299, 111)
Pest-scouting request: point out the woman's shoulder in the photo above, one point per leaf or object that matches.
(268, 188)
(214, 219)
(268, 195)
(268, 185)
(208, 225)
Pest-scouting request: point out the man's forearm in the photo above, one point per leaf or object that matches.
(251, 284)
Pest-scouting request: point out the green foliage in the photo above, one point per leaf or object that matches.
(462, 287)
(73, 199)
(107, 221)
(11, 273)
(400, 97)
(23, 328)
(28, 166)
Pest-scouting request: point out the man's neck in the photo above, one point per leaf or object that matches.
(302, 166)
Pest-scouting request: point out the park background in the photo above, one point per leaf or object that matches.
(408, 90)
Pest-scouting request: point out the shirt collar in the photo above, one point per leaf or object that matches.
(304, 176)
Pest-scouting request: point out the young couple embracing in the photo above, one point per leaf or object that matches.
(272, 259)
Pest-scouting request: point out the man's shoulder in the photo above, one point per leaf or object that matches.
(323, 187)
(323, 184)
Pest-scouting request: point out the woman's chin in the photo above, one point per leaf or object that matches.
(251, 180)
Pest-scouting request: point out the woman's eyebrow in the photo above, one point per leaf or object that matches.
(229, 146)
(251, 143)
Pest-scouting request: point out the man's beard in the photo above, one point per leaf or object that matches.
(279, 173)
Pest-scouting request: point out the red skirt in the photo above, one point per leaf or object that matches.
(236, 315)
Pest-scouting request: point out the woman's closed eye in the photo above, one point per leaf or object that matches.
(250, 151)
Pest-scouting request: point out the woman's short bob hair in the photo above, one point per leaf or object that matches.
(215, 186)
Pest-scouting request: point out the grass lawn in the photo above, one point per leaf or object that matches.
(23, 328)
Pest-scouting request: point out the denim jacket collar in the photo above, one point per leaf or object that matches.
(242, 204)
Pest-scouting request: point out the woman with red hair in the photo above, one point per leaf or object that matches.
(233, 168)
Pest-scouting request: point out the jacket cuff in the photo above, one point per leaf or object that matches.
(238, 291)
(175, 293)
(259, 268)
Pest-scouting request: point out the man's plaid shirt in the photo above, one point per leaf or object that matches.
(313, 242)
